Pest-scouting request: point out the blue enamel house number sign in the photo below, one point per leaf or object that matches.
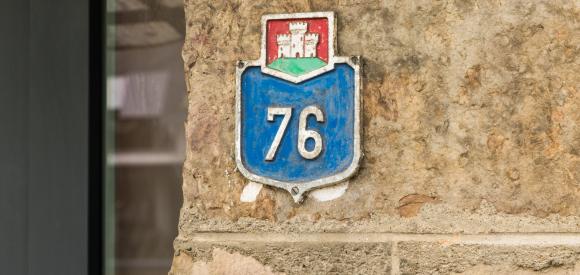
(298, 107)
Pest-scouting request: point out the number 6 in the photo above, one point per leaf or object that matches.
(304, 134)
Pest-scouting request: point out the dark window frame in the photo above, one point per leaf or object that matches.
(51, 150)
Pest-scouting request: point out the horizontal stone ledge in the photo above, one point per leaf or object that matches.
(509, 239)
(432, 219)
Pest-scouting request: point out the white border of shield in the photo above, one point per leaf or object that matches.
(298, 189)
(329, 15)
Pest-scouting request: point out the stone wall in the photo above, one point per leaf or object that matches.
(471, 144)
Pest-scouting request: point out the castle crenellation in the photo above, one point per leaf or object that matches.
(298, 27)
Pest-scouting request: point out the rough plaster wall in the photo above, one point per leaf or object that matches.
(471, 113)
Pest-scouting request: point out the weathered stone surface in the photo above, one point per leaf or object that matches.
(464, 101)
(511, 270)
(222, 262)
(433, 258)
(288, 258)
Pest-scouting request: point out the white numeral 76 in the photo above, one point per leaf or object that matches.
(303, 133)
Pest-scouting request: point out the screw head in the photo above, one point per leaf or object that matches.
(295, 190)
(354, 59)
(240, 64)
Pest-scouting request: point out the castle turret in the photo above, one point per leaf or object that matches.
(310, 42)
(297, 29)
(284, 41)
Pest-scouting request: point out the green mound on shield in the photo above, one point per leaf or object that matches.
(297, 66)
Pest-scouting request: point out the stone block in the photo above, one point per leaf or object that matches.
(442, 258)
(286, 258)
(470, 121)
(470, 118)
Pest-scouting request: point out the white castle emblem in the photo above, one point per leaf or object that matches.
(298, 43)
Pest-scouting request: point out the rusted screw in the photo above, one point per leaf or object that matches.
(295, 190)
(354, 59)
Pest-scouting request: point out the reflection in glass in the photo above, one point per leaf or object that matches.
(145, 136)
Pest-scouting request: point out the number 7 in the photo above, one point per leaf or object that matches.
(287, 113)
